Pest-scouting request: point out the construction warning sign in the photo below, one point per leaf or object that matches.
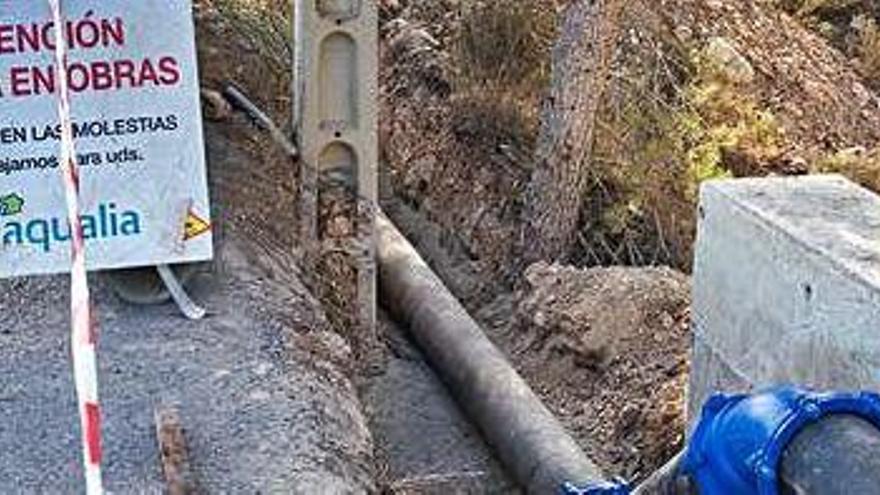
(195, 226)
(134, 99)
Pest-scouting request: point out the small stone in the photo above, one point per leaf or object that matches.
(259, 396)
(722, 52)
(540, 319)
(215, 106)
(263, 369)
(684, 33)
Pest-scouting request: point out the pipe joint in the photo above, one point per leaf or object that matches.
(739, 441)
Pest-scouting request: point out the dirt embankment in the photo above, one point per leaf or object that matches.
(460, 155)
(823, 102)
(452, 162)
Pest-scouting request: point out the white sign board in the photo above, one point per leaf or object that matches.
(137, 127)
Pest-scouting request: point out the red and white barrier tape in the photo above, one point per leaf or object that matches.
(84, 326)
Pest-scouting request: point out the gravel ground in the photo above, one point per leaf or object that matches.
(262, 387)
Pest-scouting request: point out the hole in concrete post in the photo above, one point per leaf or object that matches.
(808, 292)
(338, 85)
(337, 155)
(338, 166)
(337, 227)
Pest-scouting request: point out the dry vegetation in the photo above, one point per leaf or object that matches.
(669, 123)
(501, 53)
(853, 27)
(675, 116)
(266, 24)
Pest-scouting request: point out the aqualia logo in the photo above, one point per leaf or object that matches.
(45, 233)
(11, 205)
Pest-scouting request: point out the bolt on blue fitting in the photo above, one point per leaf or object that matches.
(601, 488)
(738, 444)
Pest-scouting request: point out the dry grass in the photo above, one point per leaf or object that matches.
(505, 42)
(638, 211)
(850, 25)
(493, 122)
(868, 49)
(858, 164)
(501, 52)
(267, 25)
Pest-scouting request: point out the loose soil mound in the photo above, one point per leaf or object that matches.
(606, 349)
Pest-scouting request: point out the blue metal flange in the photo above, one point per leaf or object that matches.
(601, 488)
(738, 444)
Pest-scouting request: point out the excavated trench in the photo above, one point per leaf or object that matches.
(424, 444)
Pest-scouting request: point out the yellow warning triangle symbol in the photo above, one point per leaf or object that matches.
(195, 226)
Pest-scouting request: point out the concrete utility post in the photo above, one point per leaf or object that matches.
(337, 128)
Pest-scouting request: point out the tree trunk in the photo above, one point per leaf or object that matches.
(581, 65)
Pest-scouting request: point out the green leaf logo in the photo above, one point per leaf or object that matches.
(11, 205)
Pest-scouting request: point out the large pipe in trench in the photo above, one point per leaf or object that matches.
(529, 440)
(526, 436)
(836, 456)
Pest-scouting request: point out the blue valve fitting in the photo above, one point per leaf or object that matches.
(738, 444)
(601, 488)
